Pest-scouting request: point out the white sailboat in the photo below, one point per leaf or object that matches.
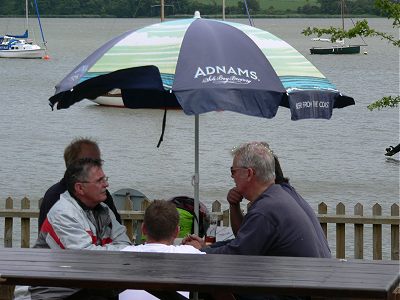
(20, 46)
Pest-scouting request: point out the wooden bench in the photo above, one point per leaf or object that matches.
(203, 273)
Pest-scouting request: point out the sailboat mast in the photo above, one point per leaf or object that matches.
(248, 13)
(162, 10)
(26, 15)
(40, 24)
(342, 12)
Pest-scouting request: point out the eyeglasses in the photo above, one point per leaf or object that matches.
(98, 181)
(233, 170)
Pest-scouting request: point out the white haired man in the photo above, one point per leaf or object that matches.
(278, 222)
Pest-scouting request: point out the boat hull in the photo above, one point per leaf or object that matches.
(352, 49)
(114, 98)
(115, 101)
(35, 53)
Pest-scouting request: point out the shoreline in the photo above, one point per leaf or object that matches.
(216, 16)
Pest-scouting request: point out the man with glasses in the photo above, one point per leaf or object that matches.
(79, 220)
(77, 149)
(278, 222)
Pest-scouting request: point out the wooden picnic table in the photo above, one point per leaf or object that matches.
(203, 273)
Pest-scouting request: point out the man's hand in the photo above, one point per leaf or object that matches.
(234, 197)
(194, 241)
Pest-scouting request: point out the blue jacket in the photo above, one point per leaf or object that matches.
(278, 223)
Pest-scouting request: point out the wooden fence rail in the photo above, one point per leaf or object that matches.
(132, 220)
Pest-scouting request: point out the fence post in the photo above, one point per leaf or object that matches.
(25, 225)
(225, 218)
(216, 207)
(7, 292)
(128, 205)
(39, 205)
(377, 233)
(394, 230)
(323, 210)
(144, 205)
(8, 225)
(340, 233)
(358, 233)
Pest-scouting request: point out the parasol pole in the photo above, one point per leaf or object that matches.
(196, 181)
(196, 178)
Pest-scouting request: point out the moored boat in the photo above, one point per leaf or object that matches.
(339, 49)
(19, 46)
(11, 47)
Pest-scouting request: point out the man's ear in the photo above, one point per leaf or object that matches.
(78, 187)
(250, 173)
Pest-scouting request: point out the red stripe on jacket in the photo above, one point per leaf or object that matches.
(48, 228)
(104, 241)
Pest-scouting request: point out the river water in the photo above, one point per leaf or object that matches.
(337, 160)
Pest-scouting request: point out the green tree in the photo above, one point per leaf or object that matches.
(361, 28)
(253, 5)
(329, 6)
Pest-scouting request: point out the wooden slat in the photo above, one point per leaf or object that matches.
(128, 206)
(377, 234)
(216, 211)
(358, 234)
(379, 220)
(6, 292)
(131, 215)
(18, 213)
(216, 206)
(8, 225)
(394, 231)
(226, 218)
(241, 274)
(25, 225)
(340, 233)
(323, 209)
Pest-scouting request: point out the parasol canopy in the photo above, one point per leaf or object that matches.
(203, 65)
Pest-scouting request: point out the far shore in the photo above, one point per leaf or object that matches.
(285, 16)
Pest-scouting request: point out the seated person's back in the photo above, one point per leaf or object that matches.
(161, 227)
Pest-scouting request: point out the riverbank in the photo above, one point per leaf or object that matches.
(214, 16)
